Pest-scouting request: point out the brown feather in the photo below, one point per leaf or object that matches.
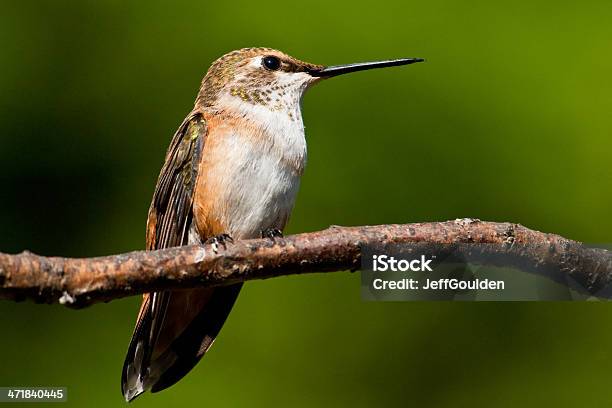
(153, 359)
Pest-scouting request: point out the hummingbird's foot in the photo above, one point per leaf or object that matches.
(271, 233)
(221, 239)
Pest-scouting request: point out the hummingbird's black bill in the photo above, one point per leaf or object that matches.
(361, 66)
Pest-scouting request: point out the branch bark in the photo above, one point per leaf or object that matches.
(80, 282)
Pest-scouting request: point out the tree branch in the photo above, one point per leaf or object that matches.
(81, 282)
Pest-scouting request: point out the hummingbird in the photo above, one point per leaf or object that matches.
(232, 170)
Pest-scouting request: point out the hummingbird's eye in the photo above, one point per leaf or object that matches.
(271, 63)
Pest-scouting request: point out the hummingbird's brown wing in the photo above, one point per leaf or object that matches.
(174, 328)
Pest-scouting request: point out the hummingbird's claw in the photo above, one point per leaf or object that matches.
(222, 239)
(271, 233)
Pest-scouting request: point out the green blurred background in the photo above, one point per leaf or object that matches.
(508, 120)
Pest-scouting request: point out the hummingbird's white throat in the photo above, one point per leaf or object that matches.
(277, 91)
(273, 104)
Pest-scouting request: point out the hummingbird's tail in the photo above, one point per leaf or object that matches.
(162, 351)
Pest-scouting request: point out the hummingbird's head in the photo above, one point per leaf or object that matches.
(269, 79)
(256, 76)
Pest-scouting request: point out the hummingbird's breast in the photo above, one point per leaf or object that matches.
(249, 175)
